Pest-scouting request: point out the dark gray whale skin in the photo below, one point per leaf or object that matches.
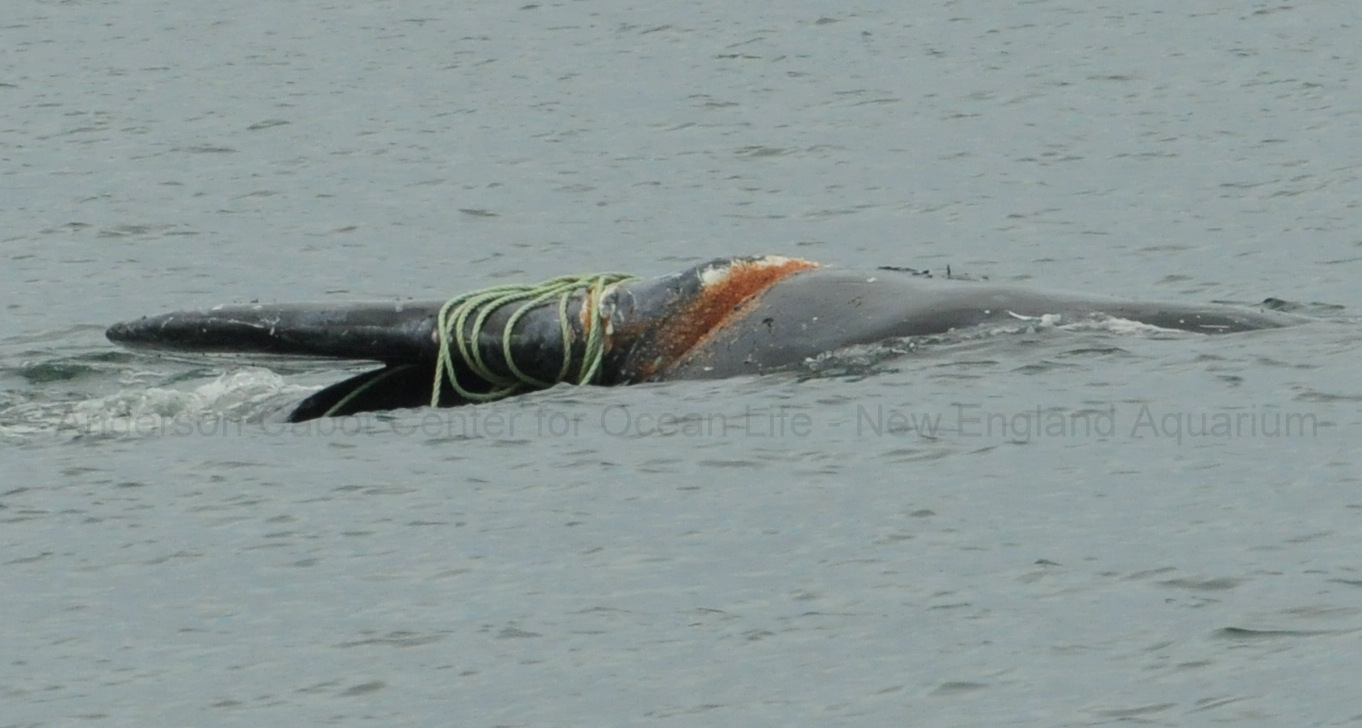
(655, 334)
(826, 309)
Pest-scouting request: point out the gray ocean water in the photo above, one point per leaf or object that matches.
(1033, 525)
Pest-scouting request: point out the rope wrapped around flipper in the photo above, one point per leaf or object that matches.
(456, 339)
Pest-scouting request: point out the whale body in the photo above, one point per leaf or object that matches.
(728, 317)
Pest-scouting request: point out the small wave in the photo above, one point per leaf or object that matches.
(1101, 322)
(862, 360)
(243, 395)
(858, 361)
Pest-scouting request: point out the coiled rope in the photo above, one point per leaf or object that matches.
(459, 346)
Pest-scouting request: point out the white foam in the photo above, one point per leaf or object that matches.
(242, 394)
(1122, 326)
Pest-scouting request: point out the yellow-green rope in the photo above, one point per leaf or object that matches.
(454, 345)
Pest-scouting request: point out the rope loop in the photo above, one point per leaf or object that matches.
(456, 337)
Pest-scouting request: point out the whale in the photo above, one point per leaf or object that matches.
(726, 317)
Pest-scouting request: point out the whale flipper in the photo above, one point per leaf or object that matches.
(393, 387)
(386, 332)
